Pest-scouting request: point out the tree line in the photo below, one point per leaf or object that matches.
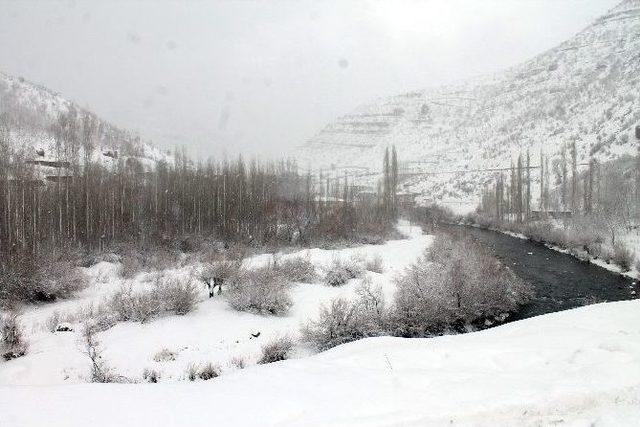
(561, 189)
(93, 203)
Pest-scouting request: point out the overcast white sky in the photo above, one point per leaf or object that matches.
(264, 76)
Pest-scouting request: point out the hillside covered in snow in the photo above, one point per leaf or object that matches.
(451, 139)
(42, 125)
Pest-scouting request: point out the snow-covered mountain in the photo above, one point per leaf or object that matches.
(33, 118)
(587, 89)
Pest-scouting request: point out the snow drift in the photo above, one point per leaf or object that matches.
(578, 367)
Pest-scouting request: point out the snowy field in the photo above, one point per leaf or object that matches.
(213, 333)
(574, 368)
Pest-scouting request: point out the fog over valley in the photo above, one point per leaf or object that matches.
(263, 77)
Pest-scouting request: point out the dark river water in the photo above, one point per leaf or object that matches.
(560, 281)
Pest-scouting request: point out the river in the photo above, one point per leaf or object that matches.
(560, 281)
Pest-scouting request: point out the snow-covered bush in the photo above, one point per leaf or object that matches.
(192, 372)
(340, 271)
(297, 269)
(56, 279)
(135, 306)
(164, 355)
(100, 316)
(169, 294)
(263, 290)
(344, 321)
(238, 362)
(456, 286)
(135, 259)
(338, 323)
(53, 321)
(177, 295)
(622, 256)
(45, 278)
(336, 277)
(12, 341)
(151, 375)
(206, 372)
(374, 264)
(276, 350)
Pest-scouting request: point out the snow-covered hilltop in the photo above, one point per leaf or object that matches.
(587, 89)
(33, 118)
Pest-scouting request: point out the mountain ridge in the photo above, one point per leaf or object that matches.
(38, 119)
(584, 90)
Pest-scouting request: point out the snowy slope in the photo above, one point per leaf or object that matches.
(573, 368)
(32, 111)
(587, 89)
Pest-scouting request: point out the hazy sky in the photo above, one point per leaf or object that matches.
(265, 76)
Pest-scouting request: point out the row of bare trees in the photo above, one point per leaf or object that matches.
(97, 203)
(562, 188)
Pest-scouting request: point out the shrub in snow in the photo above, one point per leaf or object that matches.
(340, 272)
(344, 321)
(263, 290)
(164, 355)
(336, 277)
(53, 321)
(192, 372)
(622, 256)
(372, 311)
(58, 279)
(238, 362)
(45, 278)
(151, 375)
(337, 324)
(374, 264)
(135, 259)
(100, 316)
(276, 350)
(206, 372)
(12, 341)
(457, 284)
(297, 270)
(169, 294)
(177, 295)
(135, 306)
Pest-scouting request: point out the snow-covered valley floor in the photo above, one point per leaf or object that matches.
(579, 367)
(213, 333)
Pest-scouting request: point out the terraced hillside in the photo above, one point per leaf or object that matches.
(450, 138)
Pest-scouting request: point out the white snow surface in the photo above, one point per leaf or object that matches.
(573, 368)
